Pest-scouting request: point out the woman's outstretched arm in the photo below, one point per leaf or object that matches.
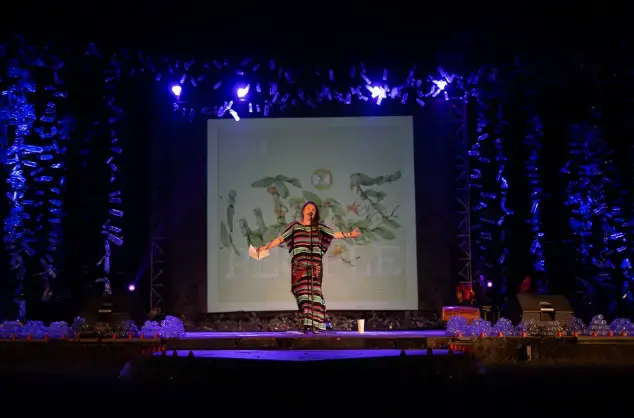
(275, 243)
(287, 234)
(344, 235)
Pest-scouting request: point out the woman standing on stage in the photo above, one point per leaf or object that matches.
(308, 242)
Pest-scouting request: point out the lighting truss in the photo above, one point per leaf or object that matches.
(462, 245)
(157, 255)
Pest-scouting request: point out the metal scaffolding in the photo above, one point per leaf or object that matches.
(157, 255)
(463, 201)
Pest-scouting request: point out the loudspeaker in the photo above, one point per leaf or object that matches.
(540, 308)
(107, 310)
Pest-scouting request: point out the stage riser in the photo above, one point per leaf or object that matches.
(307, 343)
(392, 370)
(551, 351)
(107, 360)
(95, 360)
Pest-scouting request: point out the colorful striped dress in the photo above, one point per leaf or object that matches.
(297, 238)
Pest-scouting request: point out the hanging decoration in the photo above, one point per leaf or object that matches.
(263, 89)
(502, 189)
(490, 187)
(597, 222)
(49, 180)
(21, 159)
(534, 143)
(112, 228)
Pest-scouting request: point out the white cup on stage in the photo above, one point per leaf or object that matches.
(361, 325)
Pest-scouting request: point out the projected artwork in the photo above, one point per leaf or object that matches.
(359, 172)
(364, 209)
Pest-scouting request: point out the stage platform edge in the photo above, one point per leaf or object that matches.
(342, 340)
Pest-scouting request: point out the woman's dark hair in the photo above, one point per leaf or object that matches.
(316, 218)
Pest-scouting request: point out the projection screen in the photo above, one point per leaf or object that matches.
(361, 173)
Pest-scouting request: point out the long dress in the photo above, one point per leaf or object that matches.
(300, 239)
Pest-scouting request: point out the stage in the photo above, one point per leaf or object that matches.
(204, 354)
(295, 340)
(304, 355)
(296, 346)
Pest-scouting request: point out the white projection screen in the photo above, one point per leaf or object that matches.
(361, 173)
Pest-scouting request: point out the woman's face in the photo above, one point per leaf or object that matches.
(309, 211)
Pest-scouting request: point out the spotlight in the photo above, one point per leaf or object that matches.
(177, 90)
(243, 91)
(489, 284)
(377, 93)
(441, 84)
(131, 288)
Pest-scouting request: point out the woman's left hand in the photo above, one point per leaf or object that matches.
(355, 233)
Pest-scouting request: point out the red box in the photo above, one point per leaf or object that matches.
(468, 312)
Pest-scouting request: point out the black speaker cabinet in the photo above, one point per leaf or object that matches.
(540, 308)
(107, 309)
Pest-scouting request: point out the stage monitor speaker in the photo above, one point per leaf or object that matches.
(107, 310)
(539, 308)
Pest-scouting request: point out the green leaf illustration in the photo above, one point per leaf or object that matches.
(324, 213)
(368, 234)
(340, 224)
(362, 240)
(359, 224)
(384, 233)
(244, 226)
(312, 197)
(360, 179)
(231, 211)
(393, 177)
(293, 181)
(233, 247)
(256, 239)
(232, 196)
(296, 202)
(391, 223)
(282, 190)
(338, 211)
(331, 202)
(224, 235)
(265, 182)
(377, 194)
(379, 207)
(270, 234)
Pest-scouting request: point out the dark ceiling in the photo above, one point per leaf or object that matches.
(394, 29)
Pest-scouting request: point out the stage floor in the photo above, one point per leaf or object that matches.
(326, 334)
(304, 355)
(294, 340)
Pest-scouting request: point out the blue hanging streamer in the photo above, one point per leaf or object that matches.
(598, 222)
(20, 158)
(534, 143)
(49, 180)
(490, 186)
(112, 228)
(504, 206)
